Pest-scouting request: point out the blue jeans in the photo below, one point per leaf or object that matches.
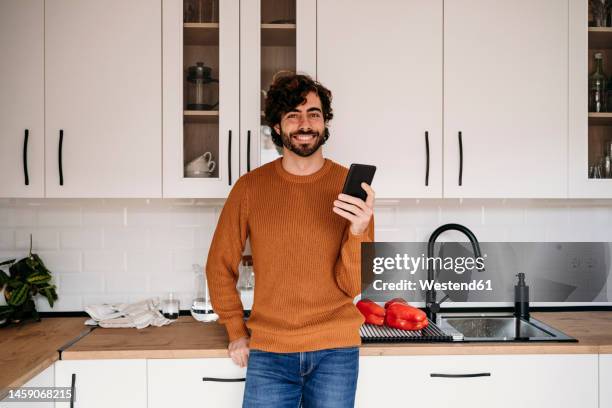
(311, 379)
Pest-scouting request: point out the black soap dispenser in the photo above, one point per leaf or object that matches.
(521, 298)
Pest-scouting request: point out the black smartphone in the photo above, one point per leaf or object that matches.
(358, 173)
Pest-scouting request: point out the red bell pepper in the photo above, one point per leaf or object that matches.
(373, 313)
(407, 312)
(393, 321)
(395, 300)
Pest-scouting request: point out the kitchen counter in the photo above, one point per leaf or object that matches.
(187, 338)
(27, 349)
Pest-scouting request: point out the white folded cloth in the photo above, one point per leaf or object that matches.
(140, 314)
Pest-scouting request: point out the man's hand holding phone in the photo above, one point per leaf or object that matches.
(354, 209)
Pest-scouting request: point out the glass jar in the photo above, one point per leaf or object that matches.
(203, 89)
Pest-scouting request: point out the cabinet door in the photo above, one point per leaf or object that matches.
(383, 65)
(104, 383)
(275, 36)
(22, 98)
(201, 131)
(505, 98)
(195, 383)
(45, 378)
(475, 381)
(588, 132)
(103, 98)
(605, 379)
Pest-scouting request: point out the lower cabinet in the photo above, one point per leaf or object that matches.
(103, 383)
(605, 379)
(43, 379)
(474, 381)
(201, 383)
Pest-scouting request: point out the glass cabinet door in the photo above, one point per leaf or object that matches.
(201, 93)
(277, 37)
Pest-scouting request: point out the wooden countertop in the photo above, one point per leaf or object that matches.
(187, 338)
(29, 348)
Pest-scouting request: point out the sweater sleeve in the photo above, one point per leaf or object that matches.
(223, 259)
(348, 265)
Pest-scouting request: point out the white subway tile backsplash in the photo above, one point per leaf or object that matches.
(108, 260)
(20, 217)
(172, 238)
(126, 238)
(42, 238)
(53, 216)
(61, 261)
(80, 283)
(147, 262)
(126, 250)
(81, 238)
(7, 238)
(65, 303)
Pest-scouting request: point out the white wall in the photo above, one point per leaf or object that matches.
(123, 250)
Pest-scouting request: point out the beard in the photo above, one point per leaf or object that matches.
(303, 148)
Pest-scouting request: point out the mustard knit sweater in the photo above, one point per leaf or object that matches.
(307, 262)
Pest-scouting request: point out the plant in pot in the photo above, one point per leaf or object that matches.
(27, 278)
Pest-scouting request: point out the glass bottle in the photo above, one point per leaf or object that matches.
(597, 86)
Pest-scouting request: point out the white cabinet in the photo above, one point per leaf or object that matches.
(45, 378)
(104, 383)
(201, 383)
(383, 64)
(275, 35)
(474, 381)
(22, 98)
(103, 98)
(505, 98)
(210, 133)
(605, 379)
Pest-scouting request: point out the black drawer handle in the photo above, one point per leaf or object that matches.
(248, 150)
(459, 375)
(215, 379)
(427, 158)
(229, 158)
(25, 157)
(72, 389)
(61, 170)
(460, 159)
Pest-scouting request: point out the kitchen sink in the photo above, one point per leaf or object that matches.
(483, 327)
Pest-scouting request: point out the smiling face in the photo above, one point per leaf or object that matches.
(302, 128)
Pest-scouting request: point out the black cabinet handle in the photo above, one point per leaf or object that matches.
(25, 157)
(215, 379)
(248, 150)
(61, 170)
(229, 158)
(460, 159)
(426, 158)
(72, 389)
(460, 375)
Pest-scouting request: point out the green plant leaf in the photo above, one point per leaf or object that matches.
(19, 295)
(38, 278)
(10, 261)
(3, 278)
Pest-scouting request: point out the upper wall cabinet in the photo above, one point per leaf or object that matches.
(22, 98)
(590, 118)
(383, 63)
(103, 98)
(201, 97)
(276, 37)
(505, 98)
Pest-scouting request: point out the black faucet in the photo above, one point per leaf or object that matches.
(432, 306)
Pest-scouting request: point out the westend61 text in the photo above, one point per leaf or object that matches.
(476, 284)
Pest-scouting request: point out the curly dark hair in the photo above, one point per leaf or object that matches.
(288, 91)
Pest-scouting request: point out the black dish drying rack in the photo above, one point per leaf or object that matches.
(371, 333)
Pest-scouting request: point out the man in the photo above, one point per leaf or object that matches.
(300, 344)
